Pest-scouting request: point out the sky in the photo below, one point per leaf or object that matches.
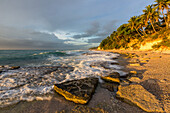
(63, 24)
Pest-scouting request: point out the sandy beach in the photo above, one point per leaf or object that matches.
(153, 76)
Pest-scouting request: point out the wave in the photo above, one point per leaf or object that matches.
(51, 53)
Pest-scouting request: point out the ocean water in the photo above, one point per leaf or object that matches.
(41, 69)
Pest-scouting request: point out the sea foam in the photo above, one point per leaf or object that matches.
(36, 83)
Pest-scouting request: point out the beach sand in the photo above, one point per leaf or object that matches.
(155, 68)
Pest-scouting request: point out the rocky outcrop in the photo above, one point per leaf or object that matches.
(79, 91)
(136, 94)
(113, 77)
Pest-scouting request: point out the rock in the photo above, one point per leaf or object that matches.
(113, 77)
(113, 87)
(114, 63)
(90, 53)
(114, 58)
(136, 94)
(100, 64)
(143, 61)
(130, 74)
(133, 72)
(15, 67)
(78, 91)
(124, 82)
(135, 79)
(135, 64)
(134, 61)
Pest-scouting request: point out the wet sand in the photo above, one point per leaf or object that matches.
(157, 68)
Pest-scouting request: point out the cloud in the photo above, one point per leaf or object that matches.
(11, 38)
(95, 40)
(92, 31)
(79, 19)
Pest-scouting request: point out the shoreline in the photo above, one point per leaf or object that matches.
(103, 100)
(154, 74)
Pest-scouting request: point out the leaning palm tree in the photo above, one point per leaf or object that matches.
(151, 15)
(133, 24)
(162, 5)
(141, 23)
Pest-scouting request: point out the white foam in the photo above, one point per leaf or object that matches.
(14, 85)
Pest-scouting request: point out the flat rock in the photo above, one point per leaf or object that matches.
(135, 79)
(113, 77)
(135, 64)
(136, 94)
(79, 91)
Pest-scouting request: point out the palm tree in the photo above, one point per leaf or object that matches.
(133, 24)
(151, 15)
(141, 23)
(162, 5)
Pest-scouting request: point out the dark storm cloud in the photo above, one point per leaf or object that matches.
(98, 30)
(95, 40)
(28, 39)
(93, 30)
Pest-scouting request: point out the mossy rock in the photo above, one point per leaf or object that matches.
(79, 91)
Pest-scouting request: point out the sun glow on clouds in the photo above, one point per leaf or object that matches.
(68, 37)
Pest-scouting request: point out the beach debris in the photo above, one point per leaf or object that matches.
(137, 95)
(112, 77)
(79, 91)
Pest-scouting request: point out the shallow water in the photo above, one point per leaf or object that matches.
(34, 81)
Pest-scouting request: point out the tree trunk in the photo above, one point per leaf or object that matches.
(153, 26)
(138, 32)
(164, 18)
(168, 20)
(144, 31)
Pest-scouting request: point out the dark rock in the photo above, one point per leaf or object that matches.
(113, 77)
(90, 53)
(125, 82)
(100, 64)
(114, 63)
(114, 58)
(79, 91)
(113, 87)
(14, 67)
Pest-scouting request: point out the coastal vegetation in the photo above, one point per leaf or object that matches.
(153, 24)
